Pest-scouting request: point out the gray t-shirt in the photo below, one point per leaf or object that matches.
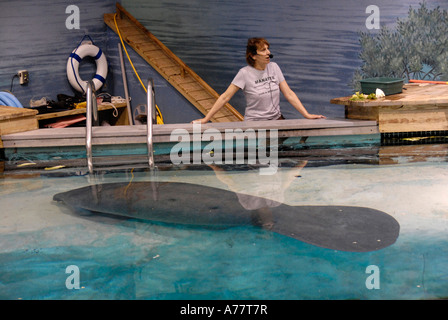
(262, 92)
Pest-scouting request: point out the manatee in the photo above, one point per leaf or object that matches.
(343, 228)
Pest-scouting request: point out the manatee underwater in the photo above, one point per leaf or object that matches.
(344, 228)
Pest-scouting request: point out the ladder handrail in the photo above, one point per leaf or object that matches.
(91, 109)
(150, 112)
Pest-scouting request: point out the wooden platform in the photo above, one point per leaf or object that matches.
(122, 118)
(420, 107)
(14, 120)
(171, 67)
(116, 135)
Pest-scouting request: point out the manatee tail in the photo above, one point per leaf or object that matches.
(344, 228)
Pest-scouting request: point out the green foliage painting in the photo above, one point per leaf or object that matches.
(416, 49)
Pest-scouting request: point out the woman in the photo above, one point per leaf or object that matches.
(261, 82)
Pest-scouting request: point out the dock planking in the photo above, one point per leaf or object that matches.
(115, 135)
(420, 107)
(14, 120)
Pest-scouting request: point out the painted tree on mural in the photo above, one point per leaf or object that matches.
(416, 49)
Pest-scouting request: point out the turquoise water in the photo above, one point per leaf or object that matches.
(131, 259)
(316, 44)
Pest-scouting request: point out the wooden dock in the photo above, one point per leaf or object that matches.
(14, 120)
(324, 141)
(122, 117)
(168, 65)
(420, 107)
(132, 135)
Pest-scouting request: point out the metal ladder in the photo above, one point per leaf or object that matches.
(91, 109)
(150, 115)
(92, 118)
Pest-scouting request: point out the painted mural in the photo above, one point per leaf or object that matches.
(416, 48)
(321, 46)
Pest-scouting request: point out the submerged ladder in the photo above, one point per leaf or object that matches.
(92, 119)
(91, 110)
(150, 114)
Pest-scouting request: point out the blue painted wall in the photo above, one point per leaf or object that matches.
(34, 36)
(316, 43)
(174, 107)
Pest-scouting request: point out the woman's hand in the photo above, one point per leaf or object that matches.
(315, 116)
(296, 103)
(220, 102)
(199, 121)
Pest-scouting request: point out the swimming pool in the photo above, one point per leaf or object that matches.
(47, 249)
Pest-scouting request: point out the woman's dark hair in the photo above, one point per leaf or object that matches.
(253, 44)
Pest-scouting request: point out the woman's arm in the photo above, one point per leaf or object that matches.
(222, 100)
(296, 103)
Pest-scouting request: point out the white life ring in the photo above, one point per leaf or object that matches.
(73, 64)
